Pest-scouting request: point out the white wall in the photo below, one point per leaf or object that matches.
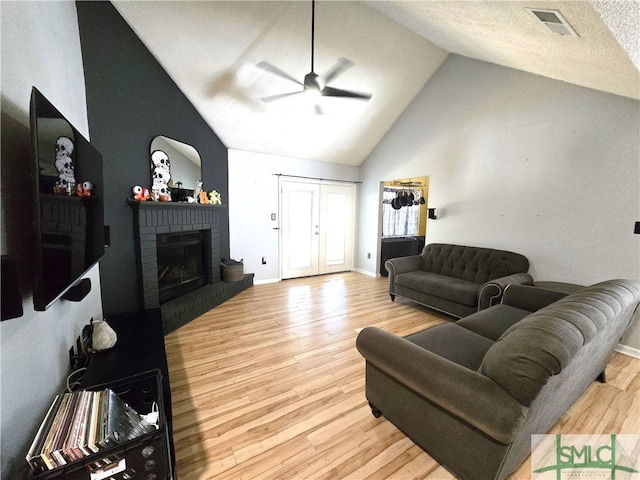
(253, 197)
(40, 47)
(519, 162)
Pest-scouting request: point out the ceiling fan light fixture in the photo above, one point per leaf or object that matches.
(315, 85)
(312, 92)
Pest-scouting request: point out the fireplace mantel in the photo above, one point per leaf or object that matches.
(152, 206)
(153, 218)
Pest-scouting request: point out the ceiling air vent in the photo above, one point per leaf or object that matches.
(553, 21)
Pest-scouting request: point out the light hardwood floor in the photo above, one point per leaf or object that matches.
(269, 385)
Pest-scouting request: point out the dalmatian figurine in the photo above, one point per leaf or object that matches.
(64, 162)
(161, 175)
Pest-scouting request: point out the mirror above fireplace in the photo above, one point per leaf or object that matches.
(186, 165)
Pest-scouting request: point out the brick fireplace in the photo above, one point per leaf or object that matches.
(161, 220)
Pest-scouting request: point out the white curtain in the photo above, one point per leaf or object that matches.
(402, 222)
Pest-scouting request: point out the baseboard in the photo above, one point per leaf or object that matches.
(276, 280)
(630, 351)
(366, 272)
(268, 280)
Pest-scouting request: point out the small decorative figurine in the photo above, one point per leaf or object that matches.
(64, 162)
(204, 199)
(215, 198)
(161, 176)
(84, 189)
(141, 194)
(197, 191)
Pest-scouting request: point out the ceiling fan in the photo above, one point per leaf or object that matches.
(313, 83)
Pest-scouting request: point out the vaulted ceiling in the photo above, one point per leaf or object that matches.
(211, 50)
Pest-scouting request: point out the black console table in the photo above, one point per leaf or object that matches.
(393, 247)
(140, 348)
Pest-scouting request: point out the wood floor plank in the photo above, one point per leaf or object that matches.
(256, 466)
(324, 458)
(385, 463)
(416, 465)
(269, 385)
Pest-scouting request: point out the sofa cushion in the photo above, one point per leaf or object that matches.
(449, 288)
(474, 264)
(542, 344)
(494, 321)
(523, 361)
(454, 343)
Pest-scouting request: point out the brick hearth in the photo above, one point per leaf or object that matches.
(153, 218)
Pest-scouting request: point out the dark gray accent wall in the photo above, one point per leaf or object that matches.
(130, 100)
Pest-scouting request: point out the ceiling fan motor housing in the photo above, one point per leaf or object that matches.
(313, 81)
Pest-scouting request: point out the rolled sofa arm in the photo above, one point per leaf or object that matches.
(465, 393)
(529, 297)
(399, 265)
(491, 292)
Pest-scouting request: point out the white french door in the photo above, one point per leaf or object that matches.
(299, 228)
(317, 227)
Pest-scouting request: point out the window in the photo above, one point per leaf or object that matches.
(402, 221)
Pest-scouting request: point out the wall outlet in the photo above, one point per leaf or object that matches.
(273, 216)
(264, 260)
(368, 256)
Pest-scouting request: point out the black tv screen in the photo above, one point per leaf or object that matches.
(68, 218)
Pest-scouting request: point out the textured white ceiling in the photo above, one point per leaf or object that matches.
(211, 49)
(506, 33)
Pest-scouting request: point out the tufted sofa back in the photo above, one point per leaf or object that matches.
(474, 264)
(543, 343)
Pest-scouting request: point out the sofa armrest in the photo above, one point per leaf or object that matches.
(396, 266)
(491, 292)
(529, 297)
(465, 393)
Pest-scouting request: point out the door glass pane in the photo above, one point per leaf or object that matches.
(336, 225)
(301, 229)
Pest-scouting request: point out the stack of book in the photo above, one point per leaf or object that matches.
(83, 423)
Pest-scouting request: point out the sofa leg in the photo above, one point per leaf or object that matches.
(602, 378)
(393, 297)
(376, 413)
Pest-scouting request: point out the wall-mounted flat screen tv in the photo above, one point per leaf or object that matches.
(68, 218)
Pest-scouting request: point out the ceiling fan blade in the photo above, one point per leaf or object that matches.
(276, 71)
(336, 92)
(341, 65)
(271, 98)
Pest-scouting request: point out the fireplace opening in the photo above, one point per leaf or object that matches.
(181, 264)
